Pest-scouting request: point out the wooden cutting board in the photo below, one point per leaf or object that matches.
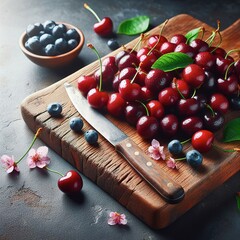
(108, 169)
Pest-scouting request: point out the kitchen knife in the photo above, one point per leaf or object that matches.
(143, 165)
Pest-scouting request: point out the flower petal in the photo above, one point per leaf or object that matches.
(155, 143)
(31, 152)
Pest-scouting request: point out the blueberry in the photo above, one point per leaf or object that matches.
(54, 109)
(34, 29)
(72, 34)
(63, 26)
(46, 39)
(34, 44)
(58, 31)
(113, 44)
(91, 136)
(50, 50)
(72, 43)
(48, 26)
(61, 45)
(175, 147)
(194, 158)
(76, 124)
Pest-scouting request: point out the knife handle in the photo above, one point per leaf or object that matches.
(150, 171)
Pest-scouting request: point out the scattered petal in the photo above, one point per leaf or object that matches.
(155, 151)
(117, 218)
(38, 158)
(171, 163)
(9, 164)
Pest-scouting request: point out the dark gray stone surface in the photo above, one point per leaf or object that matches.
(31, 206)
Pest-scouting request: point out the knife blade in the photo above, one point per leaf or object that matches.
(171, 191)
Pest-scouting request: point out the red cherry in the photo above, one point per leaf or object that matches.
(194, 75)
(86, 83)
(147, 127)
(228, 86)
(188, 107)
(97, 99)
(110, 62)
(168, 97)
(202, 140)
(133, 111)
(191, 125)
(182, 87)
(116, 105)
(107, 75)
(205, 60)
(128, 60)
(129, 91)
(185, 48)
(199, 45)
(219, 103)
(71, 183)
(155, 42)
(147, 60)
(178, 38)
(103, 27)
(155, 109)
(169, 125)
(167, 47)
(146, 94)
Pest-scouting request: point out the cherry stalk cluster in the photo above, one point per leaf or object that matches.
(160, 102)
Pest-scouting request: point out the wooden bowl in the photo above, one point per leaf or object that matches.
(53, 61)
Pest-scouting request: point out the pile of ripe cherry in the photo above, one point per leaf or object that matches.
(166, 103)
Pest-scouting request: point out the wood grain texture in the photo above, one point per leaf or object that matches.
(108, 169)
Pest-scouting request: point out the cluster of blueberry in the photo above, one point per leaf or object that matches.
(75, 123)
(50, 38)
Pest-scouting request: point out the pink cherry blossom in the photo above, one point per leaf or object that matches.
(117, 218)
(38, 158)
(9, 164)
(156, 150)
(171, 163)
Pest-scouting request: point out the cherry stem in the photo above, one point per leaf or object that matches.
(54, 171)
(90, 9)
(210, 108)
(231, 51)
(194, 93)
(227, 70)
(147, 112)
(138, 42)
(161, 30)
(100, 63)
(226, 150)
(174, 80)
(185, 141)
(135, 75)
(29, 148)
(180, 159)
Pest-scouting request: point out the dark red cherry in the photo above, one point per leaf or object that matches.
(169, 125)
(107, 76)
(217, 51)
(213, 121)
(199, 45)
(116, 82)
(86, 83)
(129, 91)
(147, 127)
(71, 183)
(188, 107)
(129, 60)
(167, 47)
(120, 55)
(191, 125)
(202, 100)
(146, 94)
(219, 103)
(222, 65)
(97, 99)
(235, 102)
(146, 61)
(110, 62)
(205, 60)
(228, 86)
(182, 87)
(155, 42)
(155, 109)
(142, 51)
(157, 80)
(202, 140)
(128, 73)
(194, 75)
(133, 111)
(116, 105)
(169, 97)
(178, 38)
(185, 48)
(210, 83)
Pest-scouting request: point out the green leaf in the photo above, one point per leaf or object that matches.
(193, 34)
(172, 61)
(133, 26)
(238, 200)
(231, 132)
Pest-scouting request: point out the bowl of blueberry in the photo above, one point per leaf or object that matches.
(51, 44)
